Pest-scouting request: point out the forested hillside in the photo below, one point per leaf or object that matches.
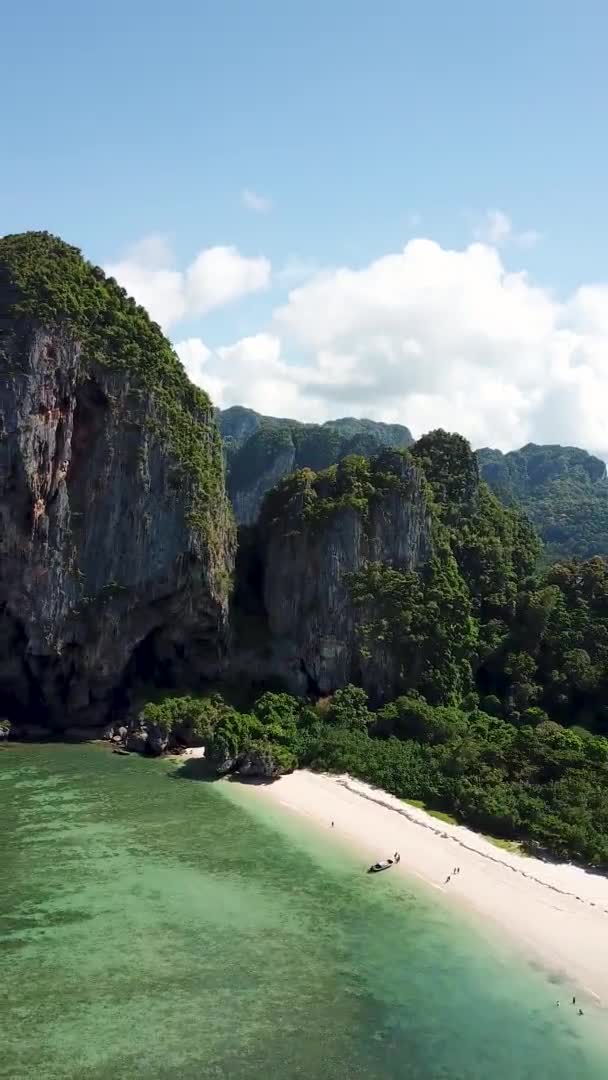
(486, 676)
(563, 490)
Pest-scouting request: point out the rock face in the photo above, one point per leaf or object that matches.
(310, 560)
(259, 762)
(145, 738)
(247, 500)
(261, 450)
(114, 554)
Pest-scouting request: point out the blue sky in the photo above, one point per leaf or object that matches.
(363, 125)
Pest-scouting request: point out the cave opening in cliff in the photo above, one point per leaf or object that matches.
(249, 573)
(142, 665)
(312, 687)
(149, 666)
(21, 701)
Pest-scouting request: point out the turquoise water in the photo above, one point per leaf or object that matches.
(154, 926)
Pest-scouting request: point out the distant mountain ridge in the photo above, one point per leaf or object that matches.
(261, 450)
(563, 489)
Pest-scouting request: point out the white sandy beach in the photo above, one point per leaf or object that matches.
(557, 913)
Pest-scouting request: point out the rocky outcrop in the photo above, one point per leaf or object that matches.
(223, 764)
(315, 541)
(261, 762)
(114, 559)
(146, 738)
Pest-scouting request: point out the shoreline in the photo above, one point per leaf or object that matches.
(554, 913)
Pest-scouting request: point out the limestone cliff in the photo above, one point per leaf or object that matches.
(261, 450)
(320, 534)
(116, 541)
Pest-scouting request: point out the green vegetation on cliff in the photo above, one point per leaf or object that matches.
(563, 490)
(46, 280)
(438, 622)
(481, 614)
(501, 718)
(258, 445)
(356, 482)
(422, 621)
(554, 660)
(503, 663)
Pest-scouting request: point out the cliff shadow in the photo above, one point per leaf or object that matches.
(200, 769)
(250, 781)
(196, 769)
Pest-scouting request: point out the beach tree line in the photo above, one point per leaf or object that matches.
(541, 783)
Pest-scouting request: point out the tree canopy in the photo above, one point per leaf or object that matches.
(563, 490)
(540, 783)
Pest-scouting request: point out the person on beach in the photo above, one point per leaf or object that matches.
(448, 878)
(574, 1001)
(580, 1012)
(332, 824)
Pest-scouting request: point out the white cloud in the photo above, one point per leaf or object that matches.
(529, 238)
(195, 357)
(220, 275)
(251, 372)
(497, 229)
(161, 292)
(296, 269)
(217, 276)
(260, 204)
(153, 251)
(426, 337)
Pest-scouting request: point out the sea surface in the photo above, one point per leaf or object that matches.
(153, 925)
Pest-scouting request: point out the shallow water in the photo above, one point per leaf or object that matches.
(159, 927)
